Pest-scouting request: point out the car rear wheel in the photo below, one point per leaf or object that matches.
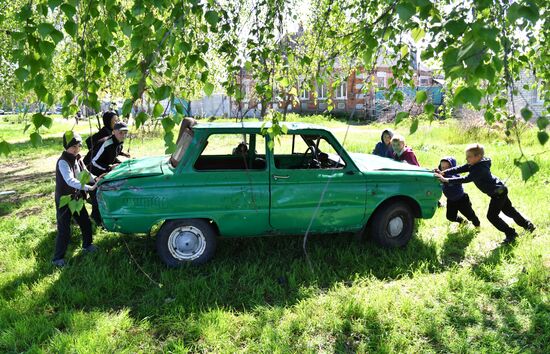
(392, 225)
(186, 241)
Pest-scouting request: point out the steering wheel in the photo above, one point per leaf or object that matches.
(314, 160)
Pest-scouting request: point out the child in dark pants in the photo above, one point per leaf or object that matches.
(457, 199)
(479, 168)
(67, 183)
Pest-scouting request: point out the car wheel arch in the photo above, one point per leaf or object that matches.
(158, 224)
(411, 202)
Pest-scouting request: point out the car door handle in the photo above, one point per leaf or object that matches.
(276, 177)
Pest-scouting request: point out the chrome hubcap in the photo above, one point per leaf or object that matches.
(186, 243)
(395, 226)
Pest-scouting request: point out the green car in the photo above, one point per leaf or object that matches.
(233, 180)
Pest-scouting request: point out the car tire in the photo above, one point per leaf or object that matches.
(191, 241)
(392, 225)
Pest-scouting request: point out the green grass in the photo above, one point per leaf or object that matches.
(12, 127)
(450, 290)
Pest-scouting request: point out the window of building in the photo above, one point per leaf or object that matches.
(342, 91)
(322, 92)
(424, 81)
(304, 95)
(381, 79)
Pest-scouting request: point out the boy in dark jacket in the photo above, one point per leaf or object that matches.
(401, 152)
(479, 168)
(104, 160)
(67, 183)
(383, 147)
(457, 199)
(93, 142)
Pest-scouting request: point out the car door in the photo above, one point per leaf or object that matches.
(229, 183)
(331, 198)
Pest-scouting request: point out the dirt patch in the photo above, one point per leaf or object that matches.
(27, 212)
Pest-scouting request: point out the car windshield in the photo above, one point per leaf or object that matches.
(185, 137)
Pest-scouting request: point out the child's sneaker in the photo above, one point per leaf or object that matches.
(59, 262)
(510, 239)
(90, 249)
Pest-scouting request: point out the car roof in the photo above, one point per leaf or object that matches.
(256, 126)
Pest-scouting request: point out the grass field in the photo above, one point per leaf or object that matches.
(452, 289)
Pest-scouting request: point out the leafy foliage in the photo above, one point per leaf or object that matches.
(151, 52)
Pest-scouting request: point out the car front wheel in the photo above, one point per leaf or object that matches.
(186, 241)
(392, 225)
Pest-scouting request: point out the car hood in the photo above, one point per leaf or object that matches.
(368, 162)
(132, 168)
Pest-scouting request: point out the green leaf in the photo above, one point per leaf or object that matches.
(429, 108)
(528, 169)
(141, 118)
(179, 108)
(4, 148)
(169, 142)
(163, 92)
(158, 110)
(400, 116)
(69, 135)
(28, 85)
(543, 137)
(127, 107)
(56, 36)
(456, 27)
(70, 28)
(417, 34)
(468, 95)
(47, 122)
(79, 205)
(64, 200)
(208, 89)
(45, 28)
(168, 124)
(69, 10)
(73, 206)
(54, 3)
(542, 122)
(405, 10)
(36, 139)
(212, 18)
(489, 117)
(526, 114)
(421, 96)
(530, 12)
(21, 74)
(47, 47)
(84, 177)
(414, 126)
(25, 13)
(38, 119)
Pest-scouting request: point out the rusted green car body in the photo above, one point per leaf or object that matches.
(267, 193)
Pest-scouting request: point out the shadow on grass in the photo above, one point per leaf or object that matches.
(454, 248)
(245, 274)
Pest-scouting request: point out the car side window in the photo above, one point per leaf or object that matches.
(305, 151)
(222, 152)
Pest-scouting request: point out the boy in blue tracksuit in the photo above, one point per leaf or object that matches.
(457, 199)
(479, 168)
